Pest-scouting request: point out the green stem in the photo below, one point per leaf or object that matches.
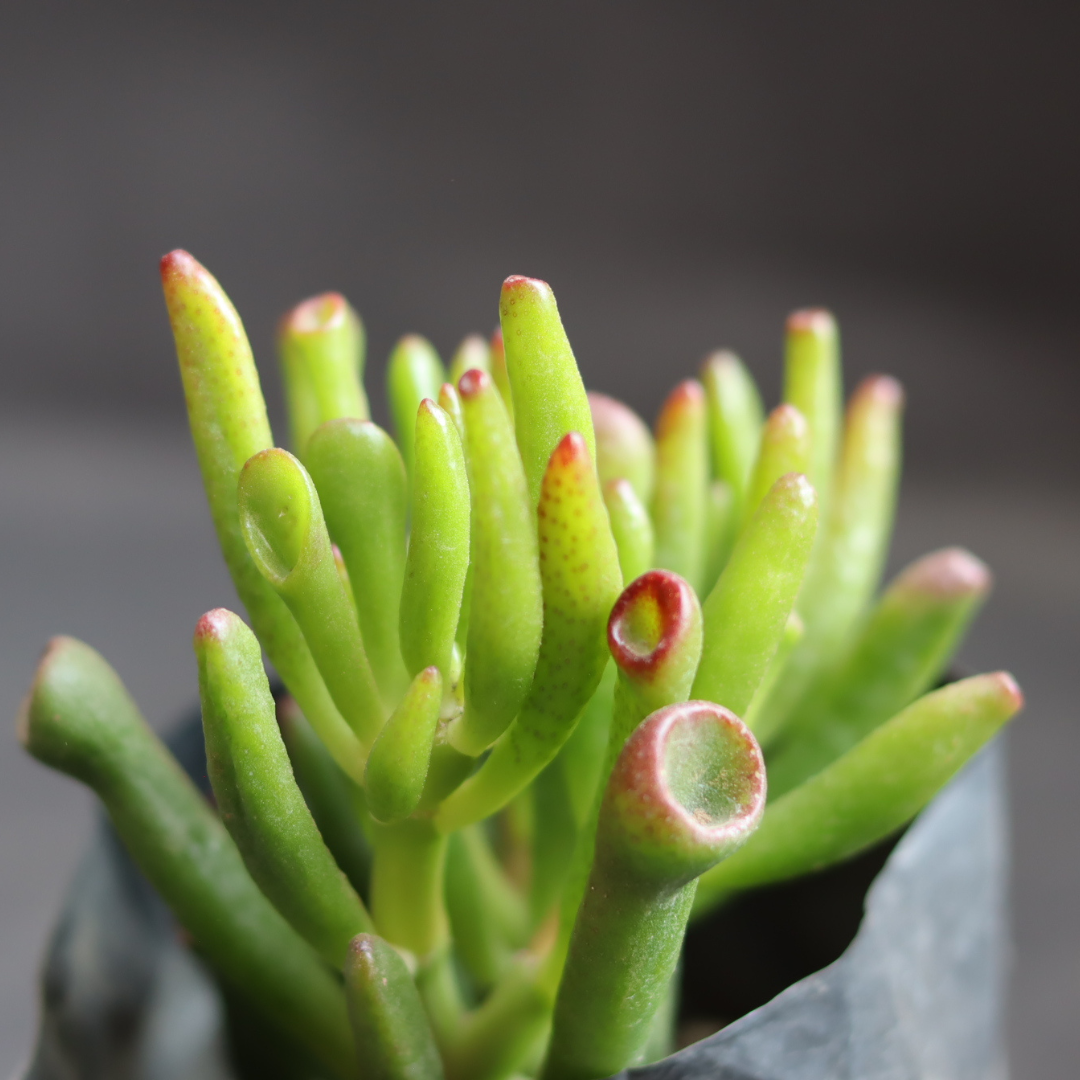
(407, 887)
(687, 790)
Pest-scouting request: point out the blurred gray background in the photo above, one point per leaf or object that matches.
(684, 174)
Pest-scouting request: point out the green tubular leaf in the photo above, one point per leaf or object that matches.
(360, 478)
(79, 719)
(505, 602)
(450, 403)
(848, 561)
(473, 354)
(500, 373)
(747, 611)
(580, 573)
(877, 786)
(688, 789)
(415, 372)
(282, 522)
(736, 417)
(906, 645)
(682, 480)
(335, 801)
(321, 342)
(554, 837)
(813, 384)
(631, 527)
(624, 446)
(393, 1036)
(793, 632)
(438, 556)
(228, 425)
(721, 520)
(488, 917)
(582, 758)
(548, 394)
(785, 448)
(398, 763)
(257, 794)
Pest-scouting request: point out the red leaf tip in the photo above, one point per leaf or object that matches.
(318, 313)
(215, 624)
(179, 263)
(816, 321)
(474, 382)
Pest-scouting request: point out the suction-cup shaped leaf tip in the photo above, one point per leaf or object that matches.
(655, 615)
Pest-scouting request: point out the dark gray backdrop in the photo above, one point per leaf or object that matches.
(683, 173)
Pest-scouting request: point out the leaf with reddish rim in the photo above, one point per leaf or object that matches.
(631, 527)
(746, 613)
(79, 719)
(580, 573)
(414, 372)
(362, 488)
(680, 498)
(321, 342)
(549, 396)
(906, 645)
(871, 791)
(257, 795)
(506, 604)
(282, 521)
(228, 422)
(624, 445)
(688, 789)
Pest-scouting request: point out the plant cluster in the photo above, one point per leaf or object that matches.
(539, 663)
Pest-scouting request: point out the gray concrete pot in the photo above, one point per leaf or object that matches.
(917, 995)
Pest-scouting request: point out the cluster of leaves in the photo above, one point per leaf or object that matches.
(468, 841)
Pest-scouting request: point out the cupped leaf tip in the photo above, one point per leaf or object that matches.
(654, 616)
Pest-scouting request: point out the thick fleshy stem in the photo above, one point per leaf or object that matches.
(393, 1036)
(855, 538)
(397, 766)
(362, 488)
(549, 396)
(624, 446)
(415, 372)
(580, 573)
(873, 789)
(735, 421)
(746, 612)
(688, 789)
(505, 592)
(79, 719)
(282, 522)
(631, 527)
(680, 499)
(257, 795)
(228, 422)
(905, 646)
(321, 342)
(438, 555)
(785, 448)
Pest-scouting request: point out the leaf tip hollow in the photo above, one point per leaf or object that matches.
(652, 617)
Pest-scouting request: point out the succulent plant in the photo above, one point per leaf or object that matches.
(543, 669)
